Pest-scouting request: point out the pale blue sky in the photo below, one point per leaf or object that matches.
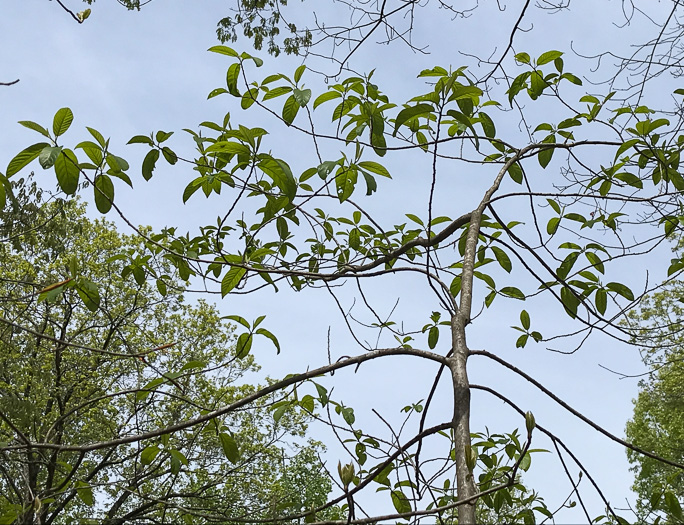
(127, 73)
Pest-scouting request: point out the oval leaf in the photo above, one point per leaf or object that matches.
(104, 193)
(67, 172)
(63, 119)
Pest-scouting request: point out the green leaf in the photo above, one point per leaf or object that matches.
(516, 172)
(148, 454)
(348, 415)
(570, 301)
(249, 97)
(97, 136)
(621, 289)
(626, 145)
(596, 261)
(216, 92)
(230, 448)
(307, 403)
(281, 174)
(556, 207)
(345, 182)
(630, 179)
(572, 78)
(89, 293)
(299, 72)
(232, 77)
(269, 335)
(177, 459)
(48, 156)
(415, 219)
(277, 92)
(85, 493)
(257, 60)
(35, 127)
(243, 345)
(169, 155)
(104, 193)
(547, 57)
(601, 300)
(302, 96)
(93, 151)
(279, 412)
(61, 122)
(141, 139)
(4, 182)
(525, 319)
(322, 394)
(149, 163)
(523, 58)
(355, 239)
(329, 95)
(67, 172)
(409, 113)
(117, 164)
(25, 157)
(400, 502)
(374, 167)
(502, 258)
(232, 279)
(163, 136)
(672, 504)
(526, 462)
(433, 337)
(290, 110)
(512, 292)
(487, 125)
(190, 365)
(235, 148)
(545, 155)
(223, 50)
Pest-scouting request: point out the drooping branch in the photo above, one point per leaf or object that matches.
(573, 411)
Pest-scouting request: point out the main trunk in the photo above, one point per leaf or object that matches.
(461, 419)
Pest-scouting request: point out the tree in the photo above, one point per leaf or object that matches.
(299, 218)
(657, 425)
(80, 362)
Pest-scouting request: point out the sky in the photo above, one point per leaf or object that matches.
(127, 73)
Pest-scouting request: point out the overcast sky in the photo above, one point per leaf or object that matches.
(127, 73)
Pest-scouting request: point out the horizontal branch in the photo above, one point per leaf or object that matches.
(279, 385)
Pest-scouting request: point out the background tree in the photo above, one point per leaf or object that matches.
(658, 423)
(81, 362)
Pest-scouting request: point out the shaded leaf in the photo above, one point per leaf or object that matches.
(230, 448)
(104, 193)
(48, 156)
(67, 172)
(149, 163)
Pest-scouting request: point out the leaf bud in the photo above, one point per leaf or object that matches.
(530, 423)
(346, 474)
